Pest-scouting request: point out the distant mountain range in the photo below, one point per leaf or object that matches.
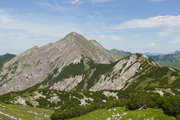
(176, 52)
(124, 53)
(121, 52)
(153, 54)
(75, 63)
(167, 60)
(157, 54)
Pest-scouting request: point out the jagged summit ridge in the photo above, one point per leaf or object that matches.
(73, 37)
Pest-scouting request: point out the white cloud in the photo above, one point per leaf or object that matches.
(111, 37)
(156, 0)
(100, 1)
(73, 1)
(152, 44)
(152, 22)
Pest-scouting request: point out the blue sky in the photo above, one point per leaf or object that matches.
(130, 25)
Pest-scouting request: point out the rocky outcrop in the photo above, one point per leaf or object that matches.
(123, 73)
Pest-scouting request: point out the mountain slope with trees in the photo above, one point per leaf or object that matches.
(5, 58)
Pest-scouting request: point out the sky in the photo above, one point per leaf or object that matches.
(130, 25)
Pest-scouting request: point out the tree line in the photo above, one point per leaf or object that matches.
(170, 105)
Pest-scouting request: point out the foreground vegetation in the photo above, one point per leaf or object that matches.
(169, 104)
(61, 105)
(19, 112)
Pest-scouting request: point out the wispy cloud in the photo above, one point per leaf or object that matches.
(167, 32)
(4, 18)
(176, 39)
(52, 6)
(100, 1)
(137, 35)
(157, 0)
(15, 27)
(2, 36)
(152, 22)
(1, 11)
(73, 1)
(152, 44)
(111, 37)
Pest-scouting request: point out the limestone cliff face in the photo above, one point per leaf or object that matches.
(115, 76)
(34, 65)
(124, 72)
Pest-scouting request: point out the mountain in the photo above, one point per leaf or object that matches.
(176, 52)
(121, 52)
(153, 54)
(75, 63)
(5, 58)
(36, 64)
(75, 76)
(169, 60)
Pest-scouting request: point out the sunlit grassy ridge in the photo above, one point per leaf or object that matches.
(121, 113)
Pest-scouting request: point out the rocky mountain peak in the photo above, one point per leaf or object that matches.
(74, 37)
(34, 65)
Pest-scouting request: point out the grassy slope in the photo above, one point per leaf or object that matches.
(104, 114)
(23, 112)
(158, 77)
(170, 64)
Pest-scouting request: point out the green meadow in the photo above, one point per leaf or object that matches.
(19, 112)
(120, 113)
